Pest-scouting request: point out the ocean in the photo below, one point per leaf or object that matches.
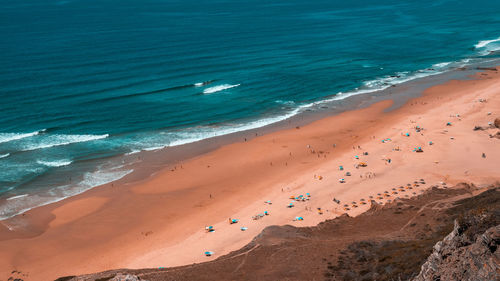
(85, 81)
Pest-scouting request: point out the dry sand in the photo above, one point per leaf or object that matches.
(160, 222)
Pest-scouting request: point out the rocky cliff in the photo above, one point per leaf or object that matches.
(465, 256)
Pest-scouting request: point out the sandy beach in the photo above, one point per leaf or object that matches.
(160, 221)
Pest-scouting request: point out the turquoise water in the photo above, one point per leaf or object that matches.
(82, 81)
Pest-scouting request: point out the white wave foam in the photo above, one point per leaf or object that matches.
(57, 163)
(441, 65)
(154, 148)
(488, 46)
(219, 88)
(132, 152)
(58, 140)
(195, 134)
(288, 102)
(101, 177)
(201, 133)
(484, 43)
(19, 204)
(4, 155)
(198, 84)
(383, 83)
(6, 137)
(17, 197)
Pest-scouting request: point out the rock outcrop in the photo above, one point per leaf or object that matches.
(125, 277)
(459, 257)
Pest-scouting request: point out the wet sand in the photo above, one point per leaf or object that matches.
(160, 222)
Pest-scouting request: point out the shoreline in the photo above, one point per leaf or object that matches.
(217, 184)
(135, 167)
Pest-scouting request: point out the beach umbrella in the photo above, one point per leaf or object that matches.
(209, 253)
(243, 228)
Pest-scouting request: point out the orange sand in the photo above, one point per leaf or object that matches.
(160, 222)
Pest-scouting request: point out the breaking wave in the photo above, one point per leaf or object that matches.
(59, 140)
(488, 46)
(6, 137)
(19, 204)
(219, 88)
(57, 163)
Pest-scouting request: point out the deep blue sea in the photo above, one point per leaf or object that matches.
(85, 80)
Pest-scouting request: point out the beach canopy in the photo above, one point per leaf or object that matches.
(209, 253)
(243, 228)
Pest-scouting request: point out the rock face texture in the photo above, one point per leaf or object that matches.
(458, 257)
(125, 277)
